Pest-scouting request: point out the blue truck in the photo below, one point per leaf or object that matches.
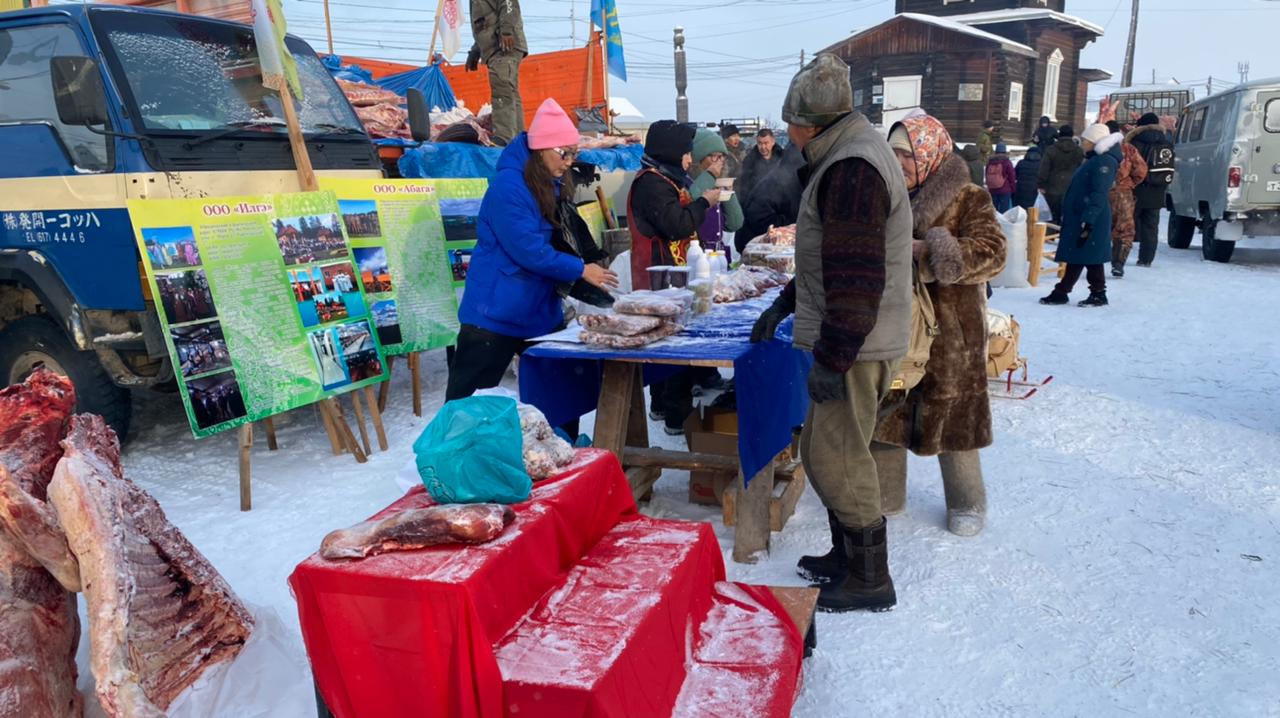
(103, 104)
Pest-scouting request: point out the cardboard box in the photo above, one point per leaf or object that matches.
(714, 432)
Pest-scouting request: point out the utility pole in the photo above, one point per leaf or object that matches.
(1153, 75)
(682, 79)
(573, 23)
(1208, 86)
(1243, 69)
(1126, 77)
(802, 59)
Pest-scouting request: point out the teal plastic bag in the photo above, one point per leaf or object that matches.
(472, 452)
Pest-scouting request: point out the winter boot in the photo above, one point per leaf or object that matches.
(830, 566)
(1055, 297)
(1096, 299)
(1119, 255)
(867, 585)
(965, 492)
(891, 467)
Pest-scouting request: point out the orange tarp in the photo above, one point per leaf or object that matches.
(561, 75)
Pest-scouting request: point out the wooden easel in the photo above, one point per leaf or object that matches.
(1038, 234)
(414, 360)
(341, 438)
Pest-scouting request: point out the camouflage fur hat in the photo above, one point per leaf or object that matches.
(819, 94)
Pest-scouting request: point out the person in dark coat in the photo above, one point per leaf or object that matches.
(1057, 167)
(736, 154)
(1148, 196)
(1045, 134)
(775, 199)
(973, 158)
(760, 160)
(1085, 240)
(1026, 171)
(1002, 181)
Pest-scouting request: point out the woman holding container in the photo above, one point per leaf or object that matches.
(512, 285)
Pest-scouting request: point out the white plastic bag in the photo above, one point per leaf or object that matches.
(1042, 204)
(1014, 225)
(621, 266)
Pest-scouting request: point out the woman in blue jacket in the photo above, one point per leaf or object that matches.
(511, 294)
(1085, 240)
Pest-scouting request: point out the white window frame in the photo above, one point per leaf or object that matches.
(1015, 100)
(1052, 82)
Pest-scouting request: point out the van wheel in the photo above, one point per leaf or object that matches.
(32, 342)
(1214, 250)
(1181, 230)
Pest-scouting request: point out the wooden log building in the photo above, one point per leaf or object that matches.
(966, 61)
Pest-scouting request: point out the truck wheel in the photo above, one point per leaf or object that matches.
(35, 341)
(1213, 249)
(1181, 230)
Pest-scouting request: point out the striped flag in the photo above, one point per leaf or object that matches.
(278, 65)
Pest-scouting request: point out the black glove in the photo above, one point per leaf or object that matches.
(825, 384)
(1085, 231)
(767, 325)
(473, 59)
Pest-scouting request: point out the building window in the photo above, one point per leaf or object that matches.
(1015, 100)
(1052, 74)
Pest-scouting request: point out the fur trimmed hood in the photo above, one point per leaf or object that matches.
(1105, 144)
(1128, 137)
(938, 192)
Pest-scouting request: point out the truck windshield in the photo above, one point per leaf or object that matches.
(191, 74)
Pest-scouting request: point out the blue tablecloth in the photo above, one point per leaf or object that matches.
(456, 160)
(563, 380)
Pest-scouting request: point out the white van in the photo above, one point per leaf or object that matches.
(1228, 169)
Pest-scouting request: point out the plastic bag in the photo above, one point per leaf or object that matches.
(470, 453)
(1014, 225)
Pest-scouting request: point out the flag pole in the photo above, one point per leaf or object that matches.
(604, 63)
(298, 143)
(435, 32)
(328, 27)
(591, 40)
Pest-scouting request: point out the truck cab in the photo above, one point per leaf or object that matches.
(103, 104)
(1227, 181)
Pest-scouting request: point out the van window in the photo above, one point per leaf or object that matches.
(26, 90)
(1271, 120)
(1165, 103)
(1197, 124)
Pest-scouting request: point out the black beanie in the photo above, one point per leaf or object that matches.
(1149, 119)
(1066, 131)
(669, 141)
(1113, 125)
(727, 131)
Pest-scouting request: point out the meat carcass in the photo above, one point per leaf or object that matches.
(159, 613)
(39, 628)
(418, 528)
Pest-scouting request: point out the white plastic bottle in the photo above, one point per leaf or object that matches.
(721, 262)
(691, 256)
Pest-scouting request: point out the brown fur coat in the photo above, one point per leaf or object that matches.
(950, 409)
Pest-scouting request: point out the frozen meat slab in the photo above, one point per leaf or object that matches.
(159, 613)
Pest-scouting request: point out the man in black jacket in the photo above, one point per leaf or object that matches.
(1057, 167)
(760, 160)
(1149, 195)
(1027, 171)
(774, 200)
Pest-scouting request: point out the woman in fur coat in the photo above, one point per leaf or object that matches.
(959, 246)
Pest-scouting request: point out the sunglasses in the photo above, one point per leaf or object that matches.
(565, 153)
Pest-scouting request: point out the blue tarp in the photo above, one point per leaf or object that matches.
(430, 80)
(350, 73)
(563, 380)
(454, 160)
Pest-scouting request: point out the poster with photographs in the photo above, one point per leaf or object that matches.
(405, 248)
(262, 302)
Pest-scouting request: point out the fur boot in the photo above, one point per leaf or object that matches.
(830, 566)
(965, 492)
(891, 468)
(867, 585)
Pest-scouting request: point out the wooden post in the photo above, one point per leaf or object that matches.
(271, 434)
(416, 377)
(435, 32)
(384, 389)
(604, 69)
(246, 448)
(375, 414)
(364, 435)
(329, 428)
(614, 409)
(306, 175)
(344, 429)
(591, 38)
(328, 27)
(751, 532)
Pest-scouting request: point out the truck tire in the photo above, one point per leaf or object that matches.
(34, 341)
(1181, 230)
(1213, 249)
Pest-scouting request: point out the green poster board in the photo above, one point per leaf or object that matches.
(261, 305)
(459, 208)
(398, 244)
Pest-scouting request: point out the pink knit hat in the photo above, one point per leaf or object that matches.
(552, 128)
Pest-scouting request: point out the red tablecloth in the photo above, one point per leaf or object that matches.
(412, 633)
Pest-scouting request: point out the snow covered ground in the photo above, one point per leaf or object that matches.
(1130, 564)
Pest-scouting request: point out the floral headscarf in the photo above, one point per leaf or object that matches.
(930, 142)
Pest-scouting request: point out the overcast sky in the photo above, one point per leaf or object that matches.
(742, 53)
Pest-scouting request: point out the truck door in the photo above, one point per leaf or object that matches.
(59, 193)
(1264, 160)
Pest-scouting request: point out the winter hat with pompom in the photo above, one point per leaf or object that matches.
(551, 127)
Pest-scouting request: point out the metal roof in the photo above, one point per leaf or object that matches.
(1022, 14)
(953, 26)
